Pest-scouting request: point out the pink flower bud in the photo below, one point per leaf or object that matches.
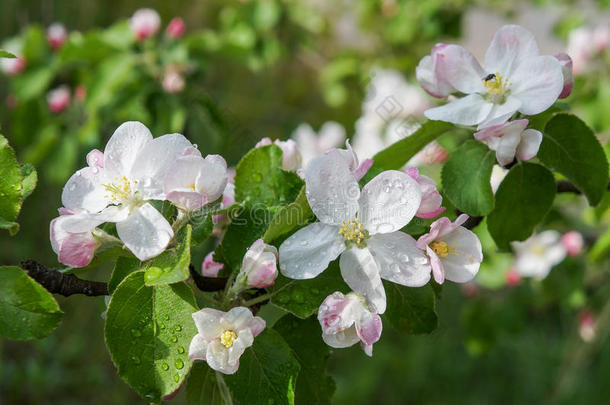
(58, 99)
(573, 242)
(586, 325)
(259, 266)
(13, 66)
(56, 35)
(210, 268)
(430, 73)
(144, 23)
(568, 77)
(513, 277)
(173, 82)
(431, 200)
(175, 28)
(95, 158)
(73, 246)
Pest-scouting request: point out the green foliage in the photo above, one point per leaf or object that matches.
(290, 217)
(172, 265)
(148, 332)
(27, 310)
(411, 310)
(124, 266)
(267, 372)
(466, 177)
(314, 387)
(202, 386)
(522, 200)
(203, 225)
(570, 147)
(5, 54)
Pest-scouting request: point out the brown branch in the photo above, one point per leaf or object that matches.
(208, 284)
(62, 284)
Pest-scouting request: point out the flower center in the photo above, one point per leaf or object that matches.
(440, 248)
(228, 338)
(119, 190)
(353, 232)
(496, 86)
(538, 249)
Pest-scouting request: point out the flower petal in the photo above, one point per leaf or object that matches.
(389, 202)
(437, 266)
(537, 83)
(345, 338)
(237, 318)
(530, 143)
(145, 232)
(361, 274)
(500, 113)
(85, 190)
(460, 68)
(465, 257)
(217, 357)
(207, 321)
(308, 252)
(511, 46)
(369, 328)
(124, 147)
(470, 110)
(506, 147)
(198, 347)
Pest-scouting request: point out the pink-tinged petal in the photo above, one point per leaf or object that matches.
(431, 201)
(331, 188)
(187, 199)
(511, 46)
(198, 347)
(529, 145)
(568, 77)
(461, 69)
(369, 328)
(210, 268)
(213, 177)
(465, 255)
(263, 142)
(413, 172)
(573, 242)
(217, 357)
(437, 266)
(145, 232)
(388, 202)
(124, 146)
(175, 28)
(259, 265)
(95, 158)
(399, 259)
(291, 157)
(144, 23)
(77, 250)
(183, 173)
(85, 190)
(499, 130)
(506, 147)
(308, 251)
(237, 318)
(361, 273)
(470, 110)
(337, 313)
(362, 169)
(439, 228)
(537, 84)
(256, 325)
(429, 73)
(431, 214)
(344, 338)
(368, 349)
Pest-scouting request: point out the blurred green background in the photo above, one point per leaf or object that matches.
(256, 68)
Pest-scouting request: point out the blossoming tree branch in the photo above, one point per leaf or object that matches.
(317, 249)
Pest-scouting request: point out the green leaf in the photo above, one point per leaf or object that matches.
(148, 332)
(11, 180)
(11, 227)
(314, 387)
(33, 84)
(202, 386)
(172, 265)
(570, 148)
(30, 179)
(27, 310)
(290, 217)
(267, 372)
(5, 54)
(466, 176)
(202, 228)
(303, 297)
(259, 178)
(411, 310)
(522, 200)
(398, 154)
(124, 266)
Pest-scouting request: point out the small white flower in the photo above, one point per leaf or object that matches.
(59, 99)
(224, 336)
(538, 254)
(310, 144)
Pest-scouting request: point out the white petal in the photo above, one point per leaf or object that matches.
(217, 357)
(510, 47)
(212, 178)
(537, 83)
(238, 318)
(207, 321)
(183, 173)
(332, 190)
(530, 143)
(500, 113)
(461, 69)
(470, 110)
(507, 147)
(145, 232)
(388, 202)
(345, 338)
(464, 259)
(399, 259)
(361, 274)
(308, 252)
(243, 341)
(124, 146)
(85, 190)
(198, 348)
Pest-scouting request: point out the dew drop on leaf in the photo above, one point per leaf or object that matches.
(165, 366)
(179, 364)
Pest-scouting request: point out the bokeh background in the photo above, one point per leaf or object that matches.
(260, 68)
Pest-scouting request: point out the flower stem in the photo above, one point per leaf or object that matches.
(258, 299)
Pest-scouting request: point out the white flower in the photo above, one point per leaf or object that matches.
(346, 320)
(132, 173)
(224, 336)
(510, 139)
(455, 252)
(538, 254)
(310, 144)
(513, 78)
(361, 227)
(291, 157)
(144, 23)
(56, 35)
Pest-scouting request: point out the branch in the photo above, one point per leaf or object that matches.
(208, 284)
(63, 284)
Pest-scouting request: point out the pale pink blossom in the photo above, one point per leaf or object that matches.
(59, 99)
(455, 252)
(259, 265)
(13, 66)
(587, 325)
(430, 73)
(57, 35)
(145, 23)
(568, 76)
(291, 157)
(510, 139)
(72, 238)
(210, 268)
(536, 256)
(312, 144)
(573, 242)
(175, 28)
(173, 82)
(431, 199)
(95, 158)
(347, 320)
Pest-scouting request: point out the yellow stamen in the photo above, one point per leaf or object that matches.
(496, 85)
(440, 248)
(353, 231)
(228, 338)
(118, 192)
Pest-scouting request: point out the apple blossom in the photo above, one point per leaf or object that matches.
(59, 99)
(175, 28)
(134, 165)
(173, 82)
(573, 242)
(361, 227)
(310, 144)
(144, 23)
(510, 139)
(568, 77)
(192, 181)
(586, 325)
(430, 73)
(291, 157)
(538, 254)
(210, 268)
(513, 78)
(224, 336)
(455, 252)
(259, 266)
(431, 199)
(72, 237)
(346, 320)
(56, 35)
